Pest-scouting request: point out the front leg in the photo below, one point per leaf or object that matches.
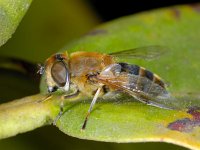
(63, 98)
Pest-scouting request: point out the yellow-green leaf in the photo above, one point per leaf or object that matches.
(128, 120)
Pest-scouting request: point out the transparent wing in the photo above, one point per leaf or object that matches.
(148, 52)
(140, 88)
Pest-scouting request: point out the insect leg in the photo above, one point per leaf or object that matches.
(91, 106)
(47, 97)
(63, 98)
(60, 112)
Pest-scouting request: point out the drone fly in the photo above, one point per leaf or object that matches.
(95, 75)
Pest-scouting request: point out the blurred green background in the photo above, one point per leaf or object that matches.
(47, 27)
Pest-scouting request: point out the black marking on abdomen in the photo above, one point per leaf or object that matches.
(149, 75)
(132, 69)
(158, 81)
(141, 72)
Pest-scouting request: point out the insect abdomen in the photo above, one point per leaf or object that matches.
(132, 69)
(146, 80)
(151, 76)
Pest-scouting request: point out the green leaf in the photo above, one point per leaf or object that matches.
(11, 13)
(129, 121)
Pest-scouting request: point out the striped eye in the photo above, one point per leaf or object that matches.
(60, 73)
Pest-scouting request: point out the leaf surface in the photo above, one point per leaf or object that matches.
(127, 120)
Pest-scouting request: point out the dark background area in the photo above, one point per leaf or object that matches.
(109, 10)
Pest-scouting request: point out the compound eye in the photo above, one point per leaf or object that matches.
(60, 73)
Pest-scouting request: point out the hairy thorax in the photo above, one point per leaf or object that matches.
(84, 66)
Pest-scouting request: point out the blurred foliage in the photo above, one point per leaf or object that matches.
(18, 78)
(17, 83)
(47, 26)
(11, 13)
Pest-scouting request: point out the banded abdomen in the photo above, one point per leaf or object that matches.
(143, 80)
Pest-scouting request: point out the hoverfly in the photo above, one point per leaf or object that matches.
(95, 75)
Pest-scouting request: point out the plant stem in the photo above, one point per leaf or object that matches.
(26, 114)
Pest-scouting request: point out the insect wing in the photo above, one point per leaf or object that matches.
(148, 52)
(140, 88)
